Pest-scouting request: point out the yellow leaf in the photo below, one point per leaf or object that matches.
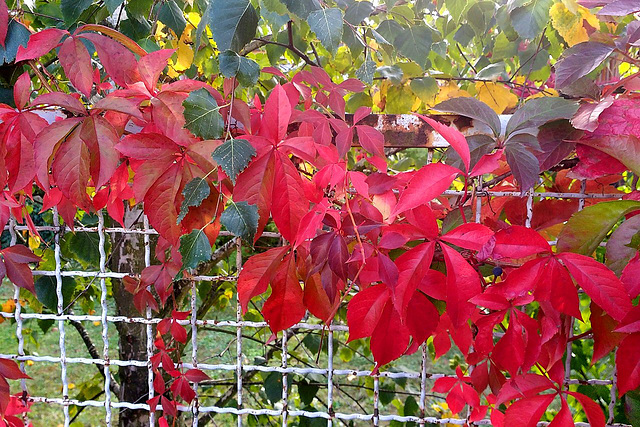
(34, 242)
(9, 306)
(571, 25)
(496, 95)
(448, 91)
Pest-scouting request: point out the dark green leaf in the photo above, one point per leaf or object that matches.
(112, 5)
(171, 15)
(523, 164)
(587, 228)
(538, 111)
(579, 61)
(241, 219)
(46, 291)
(471, 107)
(366, 72)
(194, 248)
(233, 156)
(307, 392)
(135, 28)
(202, 115)
(480, 16)
(194, 193)
(414, 43)
(17, 35)
(529, 20)
(83, 247)
(72, 9)
(244, 69)
(353, 42)
(302, 8)
(233, 23)
(327, 24)
(273, 387)
(204, 20)
(358, 11)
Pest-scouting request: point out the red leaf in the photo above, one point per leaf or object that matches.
(284, 307)
(364, 311)
(118, 61)
(196, 375)
(563, 418)
(40, 44)
(487, 163)
(76, 62)
(508, 353)
(604, 288)
(122, 105)
(595, 416)
(527, 412)
(256, 274)
(631, 277)
(390, 338)
(454, 137)
(10, 370)
(519, 242)
(151, 66)
(277, 112)
(4, 21)
(22, 87)
(413, 266)
(628, 364)
(182, 388)
(425, 185)
(371, 140)
(64, 100)
(604, 337)
(463, 283)
(255, 186)
(469, 236)
(289, 201)
(422, 319)
(160, 204)
(16, 262)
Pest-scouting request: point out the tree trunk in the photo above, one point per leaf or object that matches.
(128, 257)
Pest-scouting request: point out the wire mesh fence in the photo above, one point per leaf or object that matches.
(327, 372)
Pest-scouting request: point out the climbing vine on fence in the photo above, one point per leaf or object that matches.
(207, 130)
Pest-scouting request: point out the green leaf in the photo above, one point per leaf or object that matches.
(202, 115)
(233, 156)
(171, 15)
(538, 111)
(479, 145)
(327, 24)
(456, 8)
(587, 228)
(241, 219)
(233, 23)
(302, 8)
(425, 88)
(529, 20)
(366, 72)
(194, 193)
(46, 291)
(112, 5)
(391, 72)
(471, 107)
(389, 30)
(194, 248)
(358, 11)
(464, 34)
(307, 392)
(415, 43)
(204, 20)
(72, 9)
(244, 69)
